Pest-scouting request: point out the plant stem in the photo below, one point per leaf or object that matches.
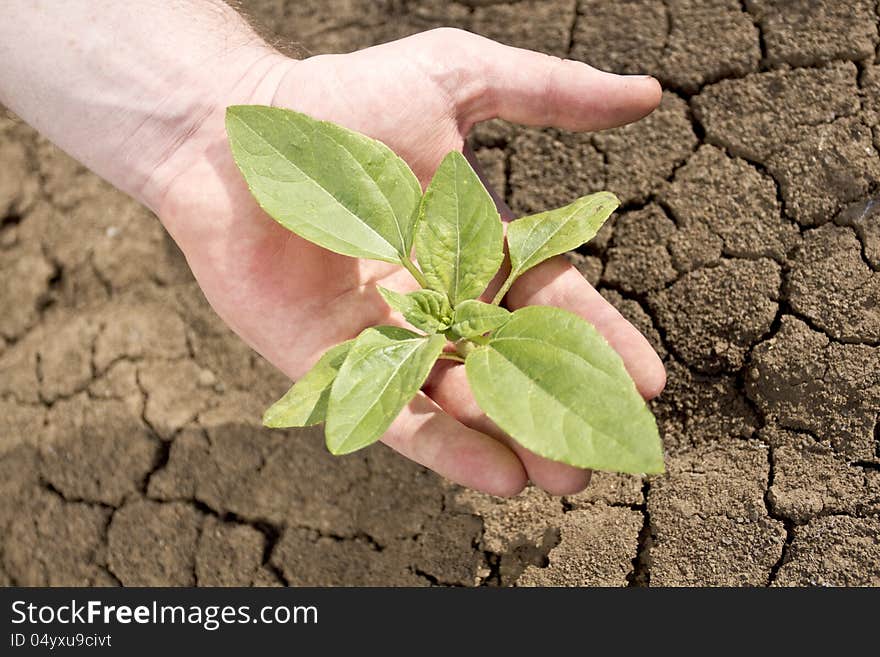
(416, 274)
(504, 288)
(447, 355)
(464, 346)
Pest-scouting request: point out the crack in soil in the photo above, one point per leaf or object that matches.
(877, 438)
(787, 523)
(572, 26)
(640, 576)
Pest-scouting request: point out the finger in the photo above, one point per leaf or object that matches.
(424, 433)
(556, 283)
(448, 387)
(532, 88)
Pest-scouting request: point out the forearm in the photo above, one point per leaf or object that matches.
(121, 85)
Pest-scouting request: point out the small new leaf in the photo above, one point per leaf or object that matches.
(473, 318)
(552, 382)
(459, 238)
(384, 370)
(334, 187)
(427, 310)
(305, 403)
(535, 238)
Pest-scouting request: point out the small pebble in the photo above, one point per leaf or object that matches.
(9, 236)
(207, 378)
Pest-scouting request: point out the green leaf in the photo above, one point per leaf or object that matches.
(305, 403)
(552, 382)
(459, 237)
(334, 187)
(473, 317)
(427, 310)
(382, 373)
(533, 239)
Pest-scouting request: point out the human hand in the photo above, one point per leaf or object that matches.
(291, 300)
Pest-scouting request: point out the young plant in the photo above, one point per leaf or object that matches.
(542, 374)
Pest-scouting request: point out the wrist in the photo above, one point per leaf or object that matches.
(249, 76)
(124, 86)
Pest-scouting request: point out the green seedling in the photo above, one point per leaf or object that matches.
(542, 374)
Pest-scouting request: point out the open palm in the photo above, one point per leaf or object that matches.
(291, 300)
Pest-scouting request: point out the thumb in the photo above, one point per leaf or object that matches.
(535, 89)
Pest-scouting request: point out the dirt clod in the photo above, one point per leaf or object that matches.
(685, 43)
(595, 548)
(807, 32)
(56, 543)
(228, 554)
(802, 380)
(830, 168)
(710, 525)
(734, 201)
(708, 41)
(834, 551)
(309, 559)
(151, 544)
(717, 551)
(831, 285)
(173, 395)
(715, 314)
(812, 479)
(755, 116)
(639, 260)
(84, 456)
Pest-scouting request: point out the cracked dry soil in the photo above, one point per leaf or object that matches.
(747, 249)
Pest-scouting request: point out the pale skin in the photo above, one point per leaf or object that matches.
(137, 91)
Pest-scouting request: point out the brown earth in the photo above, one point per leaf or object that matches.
(748, 250)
